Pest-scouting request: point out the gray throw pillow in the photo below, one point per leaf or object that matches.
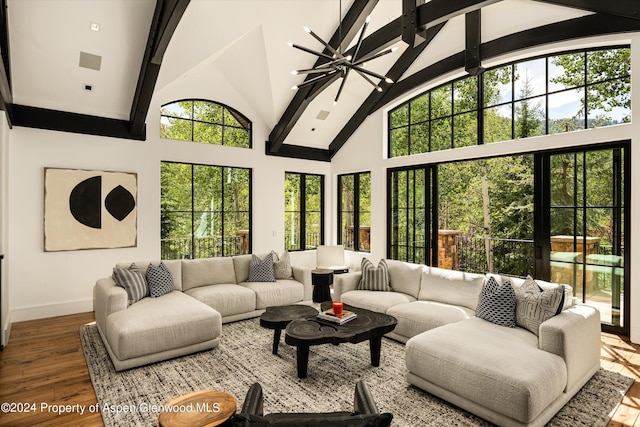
(374, 278)
(282, 266)
(535, 305)
(159, 279)
(497, 303)
(261, 270)
(133, 281)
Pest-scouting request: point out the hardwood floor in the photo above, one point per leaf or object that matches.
(43, 364)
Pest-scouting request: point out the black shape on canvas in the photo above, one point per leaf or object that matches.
(85, 200)
(119, 202)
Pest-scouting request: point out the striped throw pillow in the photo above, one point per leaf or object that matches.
(133, 281)
(374, 278)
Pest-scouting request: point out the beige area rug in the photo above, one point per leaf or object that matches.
(244, 357)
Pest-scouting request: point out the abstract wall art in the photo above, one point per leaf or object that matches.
(86, 209)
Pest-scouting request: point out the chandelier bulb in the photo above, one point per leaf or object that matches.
(393, 49)
(294, 72)
(290, 44)
(378, 88)
(306, 29)
(388, 80)
(368, 19)
(294, 87)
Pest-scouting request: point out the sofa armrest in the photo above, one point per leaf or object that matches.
(107, 298)
(363, 402)
(303, 275)
(345, 282)
(253, 402)
(574, 335)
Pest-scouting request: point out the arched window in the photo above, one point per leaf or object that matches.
(536, 96)
(204, 121)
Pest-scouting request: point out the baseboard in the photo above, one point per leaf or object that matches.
(5, 332)
(51, 310)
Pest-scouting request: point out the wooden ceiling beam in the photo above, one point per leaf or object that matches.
(166, 17)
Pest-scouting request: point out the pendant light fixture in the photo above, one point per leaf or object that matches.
(337, 63)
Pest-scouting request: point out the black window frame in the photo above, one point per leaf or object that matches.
(302, 203)
(193, 250)
(245, 123)
(481, 106)
(356, 211)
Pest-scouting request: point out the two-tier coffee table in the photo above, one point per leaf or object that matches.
(278, 317)
(368, 326)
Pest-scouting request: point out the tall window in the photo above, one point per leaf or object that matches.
(538, 96)
(304, 203)
(354, 211)
(205, 121)
(561, 215)
(205, 211)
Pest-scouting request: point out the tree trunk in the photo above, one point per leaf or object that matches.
(487, 219)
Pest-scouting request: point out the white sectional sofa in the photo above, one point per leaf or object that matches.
(207, 293)
(509, 376)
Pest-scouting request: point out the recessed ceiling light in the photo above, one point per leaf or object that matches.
(94, 26)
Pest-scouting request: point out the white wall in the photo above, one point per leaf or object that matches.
(366, 151)
(44, 284)
(4, 174)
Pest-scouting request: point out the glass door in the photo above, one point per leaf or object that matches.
(588, 196)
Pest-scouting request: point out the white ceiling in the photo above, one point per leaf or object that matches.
(244, 40)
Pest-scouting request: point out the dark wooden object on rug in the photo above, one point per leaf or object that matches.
(369, 325)
(365, 413)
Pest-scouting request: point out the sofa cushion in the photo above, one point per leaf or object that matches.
(499, 368)
(374, 278)
(280, 292)
(133, 281)
(420, 316)
(173, 265)
(379, 301)
(207, 271)
(261, 269)
(498, 303)
(153, 325)
(451, 287)
(535, 305)
(405, 277)
(159, 280)
(516, 282)
(227, 299)
(282, 265)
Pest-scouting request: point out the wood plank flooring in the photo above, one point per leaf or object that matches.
(44, 364)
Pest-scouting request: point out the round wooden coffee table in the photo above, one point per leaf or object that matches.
(200, 408)
(278, 317)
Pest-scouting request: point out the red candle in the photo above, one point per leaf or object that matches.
(337, 308)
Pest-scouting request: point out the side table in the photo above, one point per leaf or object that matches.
(321, 280)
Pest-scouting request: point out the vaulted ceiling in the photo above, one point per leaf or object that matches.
(93, 66)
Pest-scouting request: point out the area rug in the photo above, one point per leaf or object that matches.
(131, 397)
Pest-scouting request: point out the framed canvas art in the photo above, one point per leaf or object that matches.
(86, 209)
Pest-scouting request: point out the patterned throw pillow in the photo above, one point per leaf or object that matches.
(159, 279)
(133, 281)
(282, 266)
(261, 270)
(497, 303)
(374, 278)
(536, 305)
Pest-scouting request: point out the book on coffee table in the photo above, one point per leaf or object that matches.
(330, 316)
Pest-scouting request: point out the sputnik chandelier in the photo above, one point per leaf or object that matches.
(338, 63)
